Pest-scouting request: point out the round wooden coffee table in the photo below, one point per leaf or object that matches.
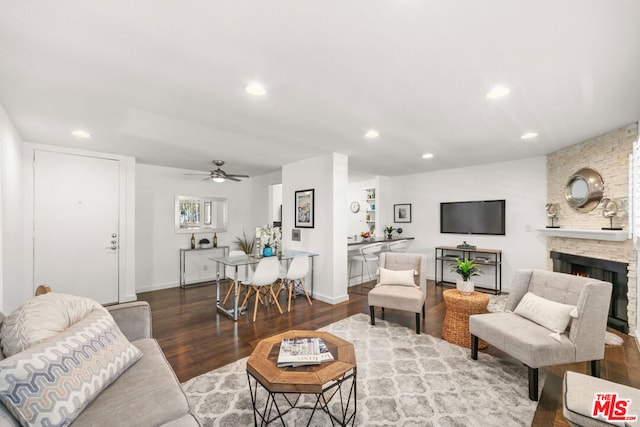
(328, 381)
(455, 328)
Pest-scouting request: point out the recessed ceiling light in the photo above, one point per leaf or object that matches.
(255, 89)
(81, 134)
(427, 156)
(372, 133)
(529, 135)
(498, 92)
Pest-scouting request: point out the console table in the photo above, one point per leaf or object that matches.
(491, 258)
(183, 255)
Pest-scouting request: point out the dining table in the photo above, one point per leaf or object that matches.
(248, 261)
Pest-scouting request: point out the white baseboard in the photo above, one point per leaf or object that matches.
(329, 300)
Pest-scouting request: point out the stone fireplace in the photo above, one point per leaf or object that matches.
(580, 234)
(609, 271)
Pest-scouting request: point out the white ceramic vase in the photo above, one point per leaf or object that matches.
(465, 288)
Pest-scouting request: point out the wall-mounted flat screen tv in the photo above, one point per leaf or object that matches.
(475, 217)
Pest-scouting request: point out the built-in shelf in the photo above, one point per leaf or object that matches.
(616, 235)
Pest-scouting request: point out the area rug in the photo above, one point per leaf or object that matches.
(404, 379)
(498, 302)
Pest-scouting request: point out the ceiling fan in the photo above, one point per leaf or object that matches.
(219, 175)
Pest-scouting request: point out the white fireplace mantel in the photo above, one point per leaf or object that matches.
(616, 235)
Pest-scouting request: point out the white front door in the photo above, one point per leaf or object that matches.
(76, 212)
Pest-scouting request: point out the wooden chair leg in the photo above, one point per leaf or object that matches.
(305, 292)
(255, 306)
(246, 297)
(226, 297)
(595, 368)
(290, 291)
(418, 323)
(275, 299)
(423, 312)
(533, 384)
(373, 316)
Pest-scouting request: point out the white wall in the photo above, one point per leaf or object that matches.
(260, 189)
(521, 183)
(327, 175)
(13, 289)
(157, 243)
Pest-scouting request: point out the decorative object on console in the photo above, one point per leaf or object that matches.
(552, 212)
(204, 243)
(584, 189)
(389, 230)
(609, 210)
(402, 212)
(304, 208)
(465, 245)
(467, 269)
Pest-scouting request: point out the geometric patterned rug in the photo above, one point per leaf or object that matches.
(404, 379)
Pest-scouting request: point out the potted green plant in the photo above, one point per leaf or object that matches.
(466, 269)
(389, 229)
(245, 244)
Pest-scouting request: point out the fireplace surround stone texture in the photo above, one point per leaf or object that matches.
(608, 155)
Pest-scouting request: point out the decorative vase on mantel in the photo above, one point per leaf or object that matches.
(465, 287)
(267, 251)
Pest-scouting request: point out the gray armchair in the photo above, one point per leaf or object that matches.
(398, 296)
(533, 344)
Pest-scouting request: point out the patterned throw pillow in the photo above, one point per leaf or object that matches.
(51, 382)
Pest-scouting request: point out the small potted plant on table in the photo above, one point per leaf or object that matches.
(467, 269)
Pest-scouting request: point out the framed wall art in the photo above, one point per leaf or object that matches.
(304, 205)
(402, 212)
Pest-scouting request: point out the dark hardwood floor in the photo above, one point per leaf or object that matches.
(196, 339)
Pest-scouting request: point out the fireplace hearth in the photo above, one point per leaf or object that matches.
(602, 269)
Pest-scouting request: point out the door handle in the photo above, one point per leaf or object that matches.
(113, 248)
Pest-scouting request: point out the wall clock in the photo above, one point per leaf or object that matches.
(355, 207)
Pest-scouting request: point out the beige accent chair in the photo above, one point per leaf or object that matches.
(534, 344)
(400, 297)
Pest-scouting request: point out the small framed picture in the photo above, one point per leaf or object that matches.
(304, 205)
(402, 212)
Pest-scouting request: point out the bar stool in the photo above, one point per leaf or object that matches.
(368, 253)
(398, 246)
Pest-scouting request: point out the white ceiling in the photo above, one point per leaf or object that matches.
(163, 80)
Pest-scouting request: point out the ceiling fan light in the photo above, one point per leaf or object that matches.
(218, 179)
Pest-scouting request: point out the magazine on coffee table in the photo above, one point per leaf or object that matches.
(303, 351)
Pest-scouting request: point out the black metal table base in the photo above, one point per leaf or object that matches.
(273, 411)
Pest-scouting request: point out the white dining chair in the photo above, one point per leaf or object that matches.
(261, 283)
(368, 254)
(244, 274)
(294, 278)
(398, 246)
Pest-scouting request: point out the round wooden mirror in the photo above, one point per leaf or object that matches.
(584, 190)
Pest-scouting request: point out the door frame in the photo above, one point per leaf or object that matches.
(126, 253)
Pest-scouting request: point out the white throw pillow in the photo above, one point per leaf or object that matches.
(42, 317)
(550, 314)
(396, 277)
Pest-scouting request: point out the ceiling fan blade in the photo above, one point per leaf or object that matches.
(198, 174)
(231, 178)
(237, 175)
